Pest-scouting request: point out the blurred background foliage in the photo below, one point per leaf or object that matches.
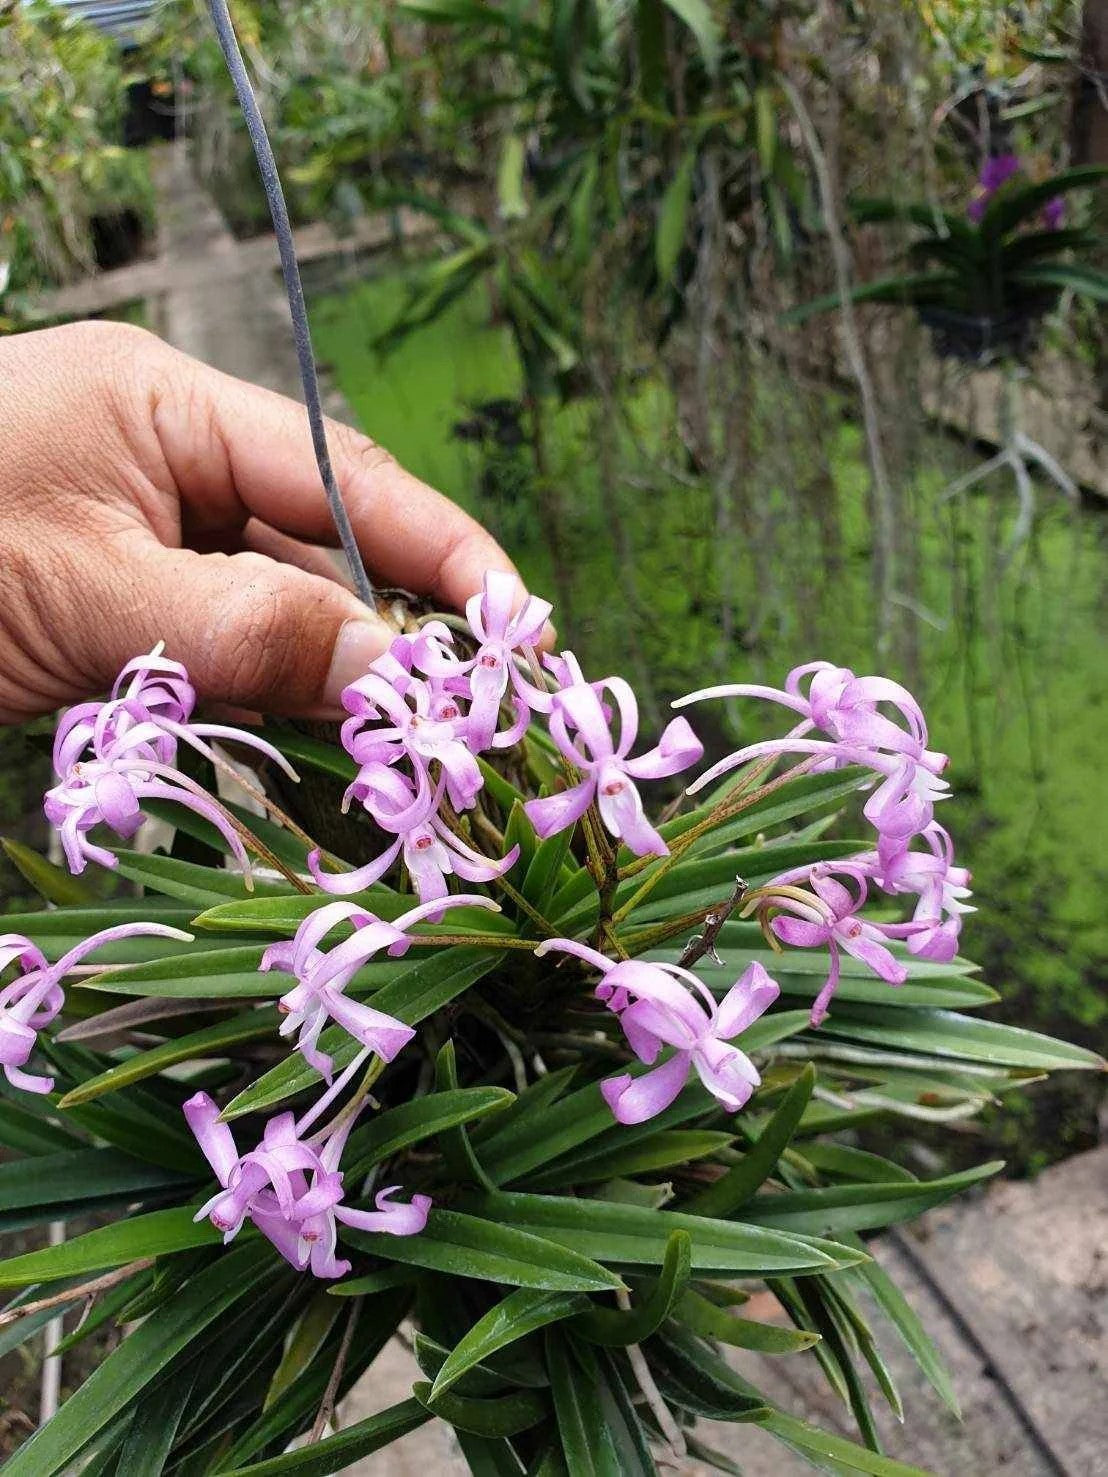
(598, 349)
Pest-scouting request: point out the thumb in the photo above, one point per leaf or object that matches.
(257, 633)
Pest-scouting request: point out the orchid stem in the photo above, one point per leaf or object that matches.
(294, 289)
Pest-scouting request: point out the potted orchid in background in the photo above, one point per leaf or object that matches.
(559, 1065)
(983, 280)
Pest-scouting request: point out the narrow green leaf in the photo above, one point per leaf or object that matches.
(692, 1376)
(457, 1151)
(816, 1443)
(586, 1440)
(128, 1369)
(945, 1033)
(67, 1179)
(860, 1207)
(739, 1184)
(308, 1336)
(339, 1453)
(153, 1234)
(705, 1319)
(905, 1320)
(469, 1246)
(503, 1416)
(209, 1041)
(53, 883)
(208, 972)
(702, 23)
(421, 1118)
(612, 1161)
(618, 1327)
(673, 214)
(635, 1235)
(520, 1313)
(153, 1427)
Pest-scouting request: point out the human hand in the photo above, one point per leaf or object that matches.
(146, 497)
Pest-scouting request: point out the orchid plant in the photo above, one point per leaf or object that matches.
(565, 1058)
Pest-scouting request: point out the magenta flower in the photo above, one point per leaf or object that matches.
(848, 709)
(322, 977)
(291, 1189)
(607, 774)
(429, 848)
(1054, 213)
(33, 999)
(407, 714)
(657, 1006)
(111, 756)
(996, 171)
(830, 919)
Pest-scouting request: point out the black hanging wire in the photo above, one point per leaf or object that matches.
(282, 228)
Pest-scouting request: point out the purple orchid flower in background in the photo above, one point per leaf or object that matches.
(291, 1189)
(996, 171)
(830, 919)
(322, 977)
(657, 1006)
(608, 775)
(109, 757)
(33, 999)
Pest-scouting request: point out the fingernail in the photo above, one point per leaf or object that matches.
(358, 643)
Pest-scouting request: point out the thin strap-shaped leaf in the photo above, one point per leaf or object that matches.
(705, 1318)
(496, 1418)
(519, 1314)
(618, 1327)
(138, 1360)
(739, 1184)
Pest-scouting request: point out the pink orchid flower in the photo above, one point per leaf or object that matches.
(33, 999)
(941, 888)
(111, 756)
(848, 709)
(322, 977)
(408, 724)
(664, 1005)
(429, 848)
(291, 1189)
(830, 920)
(608, 775)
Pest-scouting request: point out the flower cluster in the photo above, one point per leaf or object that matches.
(422, 714)
(109, 757)
(877, 724)
(33, 999)
(418, 722)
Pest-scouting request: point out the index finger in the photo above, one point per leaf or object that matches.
(236, 449)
